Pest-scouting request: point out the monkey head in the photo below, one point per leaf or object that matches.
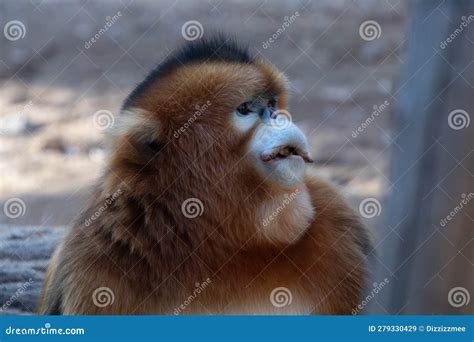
(210, 123)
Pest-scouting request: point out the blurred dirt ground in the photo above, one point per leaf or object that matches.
(51, 84)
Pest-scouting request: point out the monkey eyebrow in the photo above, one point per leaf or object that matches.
(270, 98)
(272, 101)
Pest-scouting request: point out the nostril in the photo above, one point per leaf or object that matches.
(273, 113)
(269, 113)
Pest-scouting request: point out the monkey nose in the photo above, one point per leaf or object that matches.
(269, 113)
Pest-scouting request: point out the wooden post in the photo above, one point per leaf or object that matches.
(425, 254)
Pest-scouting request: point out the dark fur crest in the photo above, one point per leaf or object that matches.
(214, 49)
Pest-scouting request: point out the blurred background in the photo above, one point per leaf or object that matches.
(376, 86)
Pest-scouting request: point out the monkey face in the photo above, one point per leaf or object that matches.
(213, 114)
(211, 123)
(277, 148)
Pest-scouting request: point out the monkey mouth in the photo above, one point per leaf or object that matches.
(285, 152)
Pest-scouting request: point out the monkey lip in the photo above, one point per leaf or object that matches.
(285, 152)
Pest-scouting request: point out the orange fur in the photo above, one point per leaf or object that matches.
(151, 256)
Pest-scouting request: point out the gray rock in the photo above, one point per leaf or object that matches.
(24, 256)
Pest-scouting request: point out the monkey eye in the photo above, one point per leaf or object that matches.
(244, 108)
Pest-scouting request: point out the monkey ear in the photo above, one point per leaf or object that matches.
(133, 120)
(140, 125)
